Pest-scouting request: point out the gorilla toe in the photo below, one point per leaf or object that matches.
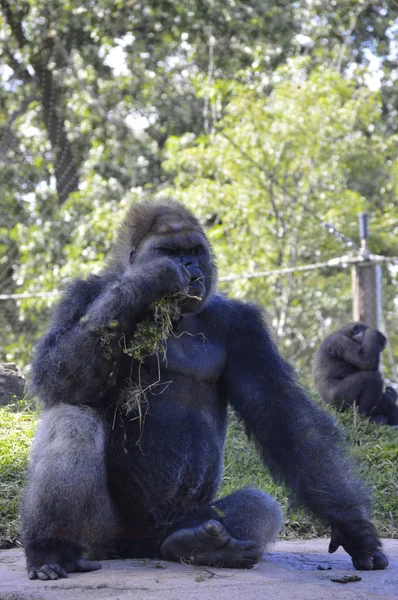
(380, 561)
(45, 572)
(57, 571)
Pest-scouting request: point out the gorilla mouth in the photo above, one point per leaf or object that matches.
(197, 287)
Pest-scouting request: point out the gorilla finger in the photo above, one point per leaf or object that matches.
(32, 574)
(83, 566)
(333, 546)
(246, 563)
(380, 561)
(363, 563)
(252, 555)
(185, 275)
(45, 573)
(60, 571)
(247, 545)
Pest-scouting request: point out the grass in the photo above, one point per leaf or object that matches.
(375, 447)
(17, 427)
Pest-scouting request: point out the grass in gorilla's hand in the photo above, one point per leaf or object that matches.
(150, 339)
(151, 335)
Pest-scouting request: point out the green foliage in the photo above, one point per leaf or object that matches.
(274, 168)
(262, 111)
(150, 337)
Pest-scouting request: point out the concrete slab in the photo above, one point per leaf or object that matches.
(292, 571)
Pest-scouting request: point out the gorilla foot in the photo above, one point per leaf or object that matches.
(210, 544)
(55, 570)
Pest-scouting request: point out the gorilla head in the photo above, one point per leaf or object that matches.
(355, 331)
(166, 229)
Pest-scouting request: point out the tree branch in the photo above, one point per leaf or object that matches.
(15, 22)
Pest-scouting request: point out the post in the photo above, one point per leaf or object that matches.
(366, 283)
(363, 222)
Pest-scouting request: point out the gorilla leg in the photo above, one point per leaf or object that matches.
(251, 514)
(388, 406)
(365, 388)
(231, 532)
(66, 507)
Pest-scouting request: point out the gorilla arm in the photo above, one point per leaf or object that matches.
(364, 356)
(71, 362)
(298, 441)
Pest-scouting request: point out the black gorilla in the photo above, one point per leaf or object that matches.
(104, 482)
(345, 370)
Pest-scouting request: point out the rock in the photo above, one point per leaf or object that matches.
(12, 384)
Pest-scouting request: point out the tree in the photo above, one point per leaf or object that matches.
(275, 168)
(91, 94)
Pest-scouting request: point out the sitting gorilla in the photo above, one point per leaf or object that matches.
(345, 370)
(106, 482)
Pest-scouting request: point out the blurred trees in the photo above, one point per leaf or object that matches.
(268, 117)
(273, 166)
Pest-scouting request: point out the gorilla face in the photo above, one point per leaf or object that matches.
(188, 250)
(356, 331)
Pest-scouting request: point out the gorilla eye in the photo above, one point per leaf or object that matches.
(356, 329)
(196, 250)
(167, 251)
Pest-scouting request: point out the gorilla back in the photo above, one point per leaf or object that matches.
(113, 476)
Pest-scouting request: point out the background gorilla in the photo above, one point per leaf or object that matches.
(345, 370)
(143, 485)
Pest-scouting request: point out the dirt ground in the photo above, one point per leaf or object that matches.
(299, 570)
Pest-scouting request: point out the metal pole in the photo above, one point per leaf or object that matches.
(363, 220)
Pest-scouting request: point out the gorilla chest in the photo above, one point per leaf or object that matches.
(191, 355)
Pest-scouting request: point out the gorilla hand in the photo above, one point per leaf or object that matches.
(360, 541)
(163, 277)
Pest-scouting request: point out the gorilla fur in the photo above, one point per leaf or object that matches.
(106, 482)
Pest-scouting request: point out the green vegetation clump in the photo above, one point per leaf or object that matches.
(375, 447)
(150, 339)
(151, 334)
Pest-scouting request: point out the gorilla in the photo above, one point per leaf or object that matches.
(345, 370)
(108, 482)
